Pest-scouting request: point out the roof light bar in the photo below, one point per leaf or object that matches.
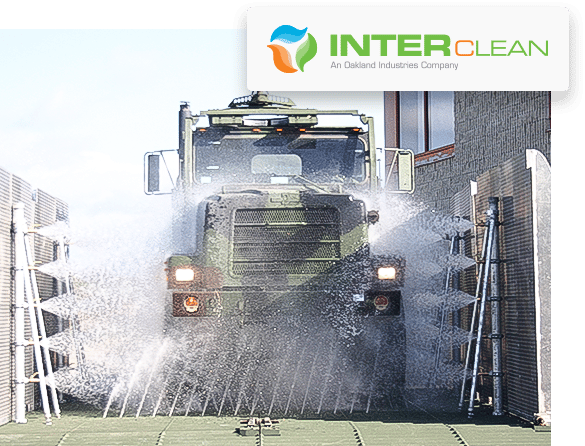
(265, 120)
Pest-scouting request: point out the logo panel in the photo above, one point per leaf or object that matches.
(291, 36)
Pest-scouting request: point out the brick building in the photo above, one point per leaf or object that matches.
(460, 135)
(500, 141)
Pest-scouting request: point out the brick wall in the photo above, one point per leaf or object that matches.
(490, 127)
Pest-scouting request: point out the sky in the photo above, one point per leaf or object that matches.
(85, 105)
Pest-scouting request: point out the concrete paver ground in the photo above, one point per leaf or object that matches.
(87, 427)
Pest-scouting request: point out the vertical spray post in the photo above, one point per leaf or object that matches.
(472, 325)
(491, 224)
(42, 335)
(495, 299)
(38, 355)
(20, 380)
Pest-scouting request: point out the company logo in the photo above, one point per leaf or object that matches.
(429, 45)
(291, 36)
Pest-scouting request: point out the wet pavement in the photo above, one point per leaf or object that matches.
(88, 427)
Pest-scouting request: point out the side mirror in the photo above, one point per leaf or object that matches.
(153, 173)
(154, 184)
(399, 170)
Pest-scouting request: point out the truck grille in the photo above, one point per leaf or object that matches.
(285, 241)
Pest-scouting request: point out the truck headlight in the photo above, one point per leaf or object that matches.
(387, 273)
(184, 275)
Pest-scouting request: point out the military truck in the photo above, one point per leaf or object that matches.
(268, 215)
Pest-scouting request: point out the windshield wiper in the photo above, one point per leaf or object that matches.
(310, 183)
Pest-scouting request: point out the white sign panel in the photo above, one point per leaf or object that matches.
(408, 48)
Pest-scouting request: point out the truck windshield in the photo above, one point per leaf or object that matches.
(279, 158)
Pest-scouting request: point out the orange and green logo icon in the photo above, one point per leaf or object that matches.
(289, 35)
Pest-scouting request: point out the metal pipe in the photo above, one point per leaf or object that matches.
(496, 335)
(472, 326)
(59, 358)
(488, 261)
(42, 330)
(37, 345)
(456, 286)
(20, 380)
(457, 273)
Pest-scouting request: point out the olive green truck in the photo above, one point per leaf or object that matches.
(271, 215)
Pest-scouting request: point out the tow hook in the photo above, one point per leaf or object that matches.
(259, 426)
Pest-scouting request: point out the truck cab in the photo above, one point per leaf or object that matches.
(270, 216)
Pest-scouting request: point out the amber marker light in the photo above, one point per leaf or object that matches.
(381, 303)
(387, 273)
(191, 304)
